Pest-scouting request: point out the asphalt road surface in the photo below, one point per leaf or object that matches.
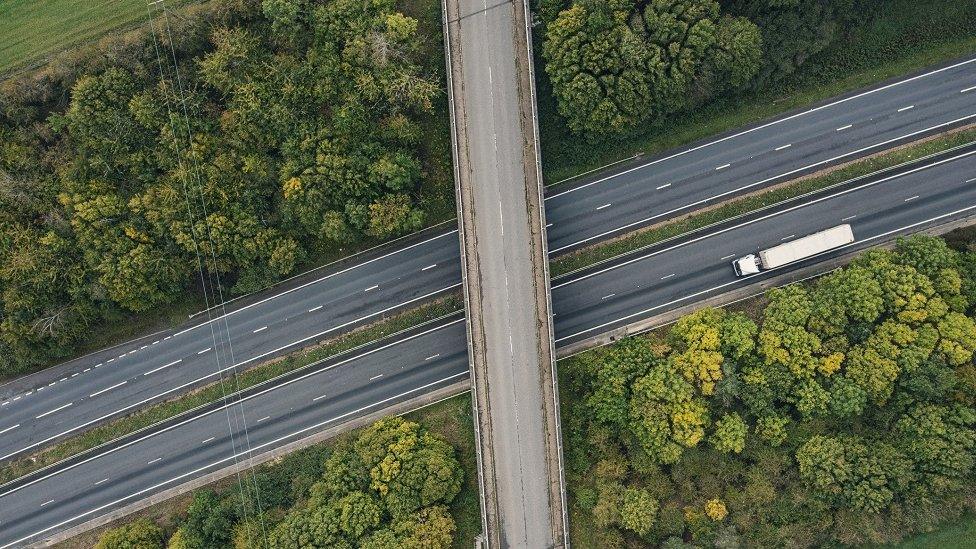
(104, 386)
(624, 291)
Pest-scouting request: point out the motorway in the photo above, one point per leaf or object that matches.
(104, 386)
(662, 277)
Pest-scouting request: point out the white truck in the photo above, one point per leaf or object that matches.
(794, 250)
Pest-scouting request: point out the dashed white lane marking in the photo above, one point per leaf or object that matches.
(116, 386)
(722, 167)
(74, 374)
(62, 379)
(153, 461)
(850, 217)
(730, 256)
(313, 309)
(607, 205)
(264, 418)
(429, 267)
(4, 403)
(318, 398)
(786, 146)
(101, 481)
(204, 351)
(548, 225)
(11, 428)
(58, 409)
(967, 89)
(155, 342)
(971, 180)
(51, 384)
(608, 296)
(16, 398)
(787, 237)
(665, 186)
(910, 198)
(175, 362)
(86, 370)
(903, 109)
(371, 288)
(167, 337)
(109, 360)
(842, 128)
(208, 440)
(377, 376)
(261, 329)
(144, 347)
(48, 502)
(667, 276)
(432, 357)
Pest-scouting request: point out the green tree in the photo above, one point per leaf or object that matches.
(209, 521)
(138, 534)
(730, 434)
(638, 510)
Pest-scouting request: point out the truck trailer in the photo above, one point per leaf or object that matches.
(794, 250)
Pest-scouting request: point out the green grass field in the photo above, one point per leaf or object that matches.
(31, 30)
(957, 535)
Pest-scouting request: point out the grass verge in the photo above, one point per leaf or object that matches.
(907, 37)
(736, 207)
(960, 534)
(451, 419)
(214, 392)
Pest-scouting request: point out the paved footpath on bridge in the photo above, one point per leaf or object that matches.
(506, 279)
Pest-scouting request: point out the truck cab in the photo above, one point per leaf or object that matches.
(746, 265)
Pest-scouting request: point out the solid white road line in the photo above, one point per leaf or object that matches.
(772, 123)
(786, 146)
(153, 371)
(376, 377)
(903, 109)
(233, 456)
(842, 128)
(607, 205)
(11, 428)
(665, 186)
(313, 309)
(261, 329)
(58, 409)
(117, 385)
(429, 267)
(768, 179)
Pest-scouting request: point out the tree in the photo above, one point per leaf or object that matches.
(359, 513)
(614, 377)
(209, 521)
(666, 415)
(638, 511)
(730, 434)
(615, 65)
(139, 534)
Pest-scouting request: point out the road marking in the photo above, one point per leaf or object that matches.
(665, 186)
(161, 367)
(722, 167)
(788, 237)
(850, 217)
(16, 398)
(264, 418)
(86, 370)
(768, 124)
(967, 89)
(208, 440)
(903, 109)
(4, 403)
(51, 384)
(48, 502)
(101, 481)
(429, 267)
(58, 409)
(432, 357)
(842, 128)
(376, 377)
(62, 379)
(313, 309)
(74, 374)
(786, 146)
(11, 428)
(607, 296)
(318, 398)
(116, 386)
(371, 288)
(971, 180)
(107, 361)
(204, 351)
(39, 389)
(243, 362)
(730, 256)
(607, 205)
(167, 337)
(155, 342)
(144, 347)
(153, 461)
(911, 198)
(235, 455)
(261, 329)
